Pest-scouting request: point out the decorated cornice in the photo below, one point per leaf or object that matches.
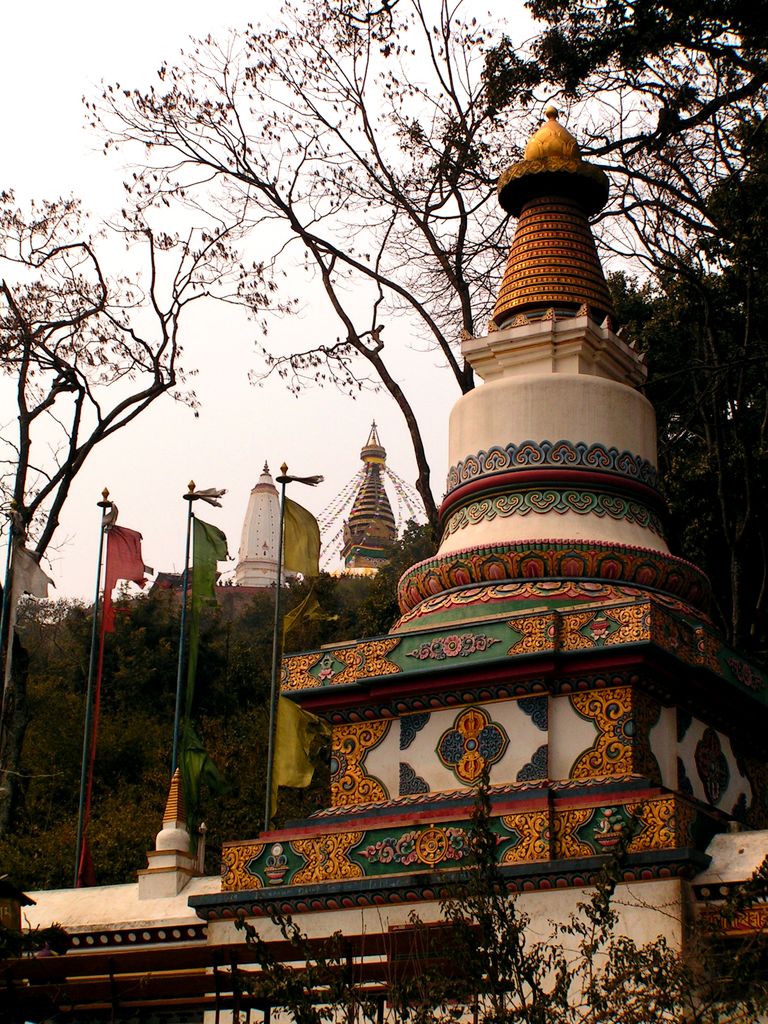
(415, 888)
(562, 454)
(554, 559)
(403, 657)
(556, 500)
(561, 828)
(481, 600)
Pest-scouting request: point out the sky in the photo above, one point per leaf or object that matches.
(53, 54)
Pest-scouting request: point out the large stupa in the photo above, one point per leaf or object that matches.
(553, 642)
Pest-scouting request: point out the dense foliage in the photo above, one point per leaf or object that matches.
(486, 959)
(136, 720)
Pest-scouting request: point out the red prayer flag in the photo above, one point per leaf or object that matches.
(124, 562)
(85, 871)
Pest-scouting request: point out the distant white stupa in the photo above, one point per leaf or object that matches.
(257, 557)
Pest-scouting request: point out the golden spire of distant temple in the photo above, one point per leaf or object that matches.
(370, 530)
(553, 263)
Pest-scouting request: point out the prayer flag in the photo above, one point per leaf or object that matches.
(209, 546)
(28, 577)
(211, 495)
(197, 768)
(308, 610)
(301, 540)
(299, 738)
(124, 562)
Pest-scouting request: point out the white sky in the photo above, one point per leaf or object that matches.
(51, 54)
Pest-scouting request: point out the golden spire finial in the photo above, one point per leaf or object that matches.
(174, 806)
(553, 263)
(552, 140)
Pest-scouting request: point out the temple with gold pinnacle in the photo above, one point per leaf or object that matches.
(553, 643)
(370, 531)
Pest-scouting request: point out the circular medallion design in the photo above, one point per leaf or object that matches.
(472, 744)
(432, 845)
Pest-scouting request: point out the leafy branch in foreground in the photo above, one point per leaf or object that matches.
(483, 957)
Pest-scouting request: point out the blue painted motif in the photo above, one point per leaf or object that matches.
(473, 743)
(684, 719)
(537, 768)
(409, 726)
(683, 782)
(410, 782)
(538, 710)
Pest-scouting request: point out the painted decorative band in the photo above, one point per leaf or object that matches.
(495, 563)
(562, 454)
(540, 502)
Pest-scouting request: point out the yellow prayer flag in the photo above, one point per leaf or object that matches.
(298, 738)
(308, 610)
(301, 540)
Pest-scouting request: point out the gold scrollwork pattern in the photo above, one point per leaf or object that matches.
(750, 921)
(623, 625)
(539, 633)
(295, 674)
(350, 783)
(623, 719)
(327, 858)
(566, 843)
(368, 658)
(662, 824)
(234, 860)
(535, 834)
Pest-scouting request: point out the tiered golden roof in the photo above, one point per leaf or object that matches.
(553, 263)
(371, 523)
(174, 807)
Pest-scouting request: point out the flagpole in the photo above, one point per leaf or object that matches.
(274, 692)
(105, 505)
(283, 479)
(189, 498)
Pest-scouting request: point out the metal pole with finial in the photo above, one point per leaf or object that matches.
(189, 497)
(105, 505)
(276, 649)
(277, 646)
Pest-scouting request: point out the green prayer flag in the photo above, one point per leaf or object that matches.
(197, 769)
(209, 546)
(301, 540)
(299, 738)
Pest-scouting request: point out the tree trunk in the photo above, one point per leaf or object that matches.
(12, 731)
